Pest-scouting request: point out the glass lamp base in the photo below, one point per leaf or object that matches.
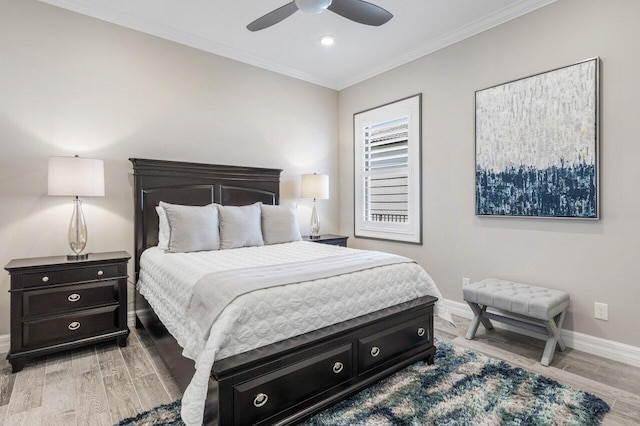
(315, 221)
(77, 232)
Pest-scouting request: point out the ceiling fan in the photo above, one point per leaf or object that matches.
(356, 10)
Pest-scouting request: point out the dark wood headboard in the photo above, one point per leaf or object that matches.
(193, 184)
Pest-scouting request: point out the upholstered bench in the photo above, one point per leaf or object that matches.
(537, 309)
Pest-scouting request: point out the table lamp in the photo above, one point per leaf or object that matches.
(317, 187)
(76, 177)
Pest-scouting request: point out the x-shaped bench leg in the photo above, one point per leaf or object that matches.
(477, 319)
(553, 326)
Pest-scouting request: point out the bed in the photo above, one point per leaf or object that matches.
(288, 380)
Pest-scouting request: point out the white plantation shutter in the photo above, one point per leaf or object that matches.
(386, 166)
(387, 169)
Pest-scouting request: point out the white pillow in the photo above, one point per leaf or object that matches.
(280, 224)
(240, 226)
(192, 228)
(163, 229)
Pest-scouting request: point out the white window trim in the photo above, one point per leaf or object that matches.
(411, 231)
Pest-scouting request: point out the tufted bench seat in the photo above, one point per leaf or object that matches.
(543, 309)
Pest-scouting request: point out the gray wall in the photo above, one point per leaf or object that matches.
(594, 261)
(70, 84)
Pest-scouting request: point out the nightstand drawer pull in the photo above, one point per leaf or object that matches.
(45, 279)
(74, 326)
(260, 400)
(338, 367)
(73, 297)
(100, 273)
(375, 351)
(421, 331)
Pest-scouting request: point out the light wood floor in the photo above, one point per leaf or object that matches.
(104, 384)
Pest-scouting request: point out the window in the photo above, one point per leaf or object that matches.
(387, 172)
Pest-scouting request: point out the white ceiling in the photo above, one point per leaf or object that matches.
(292, 47)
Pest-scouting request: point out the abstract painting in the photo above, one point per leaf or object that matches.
(537, 145)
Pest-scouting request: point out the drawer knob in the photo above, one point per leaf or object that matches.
(74, 326)
(260, 400)
(338, 367)
(73, 297)
(375, 351)
(421, 331)
(100, 273)
(45, 279)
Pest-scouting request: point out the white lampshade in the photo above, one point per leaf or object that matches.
(315, 186)
(75, 176)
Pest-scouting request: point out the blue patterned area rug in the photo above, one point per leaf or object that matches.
(462, 388)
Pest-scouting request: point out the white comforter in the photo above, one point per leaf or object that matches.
(266, 316)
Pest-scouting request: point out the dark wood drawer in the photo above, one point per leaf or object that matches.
(70, 275)
(334, 240)
(69, 298)
(260, 398)
(341, 243)
(385, 345)
(66, 328)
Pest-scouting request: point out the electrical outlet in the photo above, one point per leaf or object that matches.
(601, 311)
(466, 281)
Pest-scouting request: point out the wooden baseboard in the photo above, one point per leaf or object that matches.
(604, 348)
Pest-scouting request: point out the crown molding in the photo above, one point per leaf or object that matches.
(187, 39)
(501, 16)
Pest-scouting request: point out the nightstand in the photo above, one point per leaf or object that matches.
(336, 240)
(59, 304)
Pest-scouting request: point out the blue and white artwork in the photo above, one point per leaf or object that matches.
(536, 145)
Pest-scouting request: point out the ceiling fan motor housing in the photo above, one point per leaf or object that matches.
(313, 6)
(359, 11)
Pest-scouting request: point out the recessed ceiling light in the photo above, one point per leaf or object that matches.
(327, 40)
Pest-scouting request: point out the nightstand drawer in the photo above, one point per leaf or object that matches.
(331, 239)
(342, 242)
(70, 275)
(69, 298)
(70, 327)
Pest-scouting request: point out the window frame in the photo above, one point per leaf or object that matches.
(411, 232)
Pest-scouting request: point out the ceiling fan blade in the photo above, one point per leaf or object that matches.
(361, 11)
(273, 17)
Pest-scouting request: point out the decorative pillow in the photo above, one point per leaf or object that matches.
(240, 226)
(164, 231)
(280, 224)
(193, 228)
